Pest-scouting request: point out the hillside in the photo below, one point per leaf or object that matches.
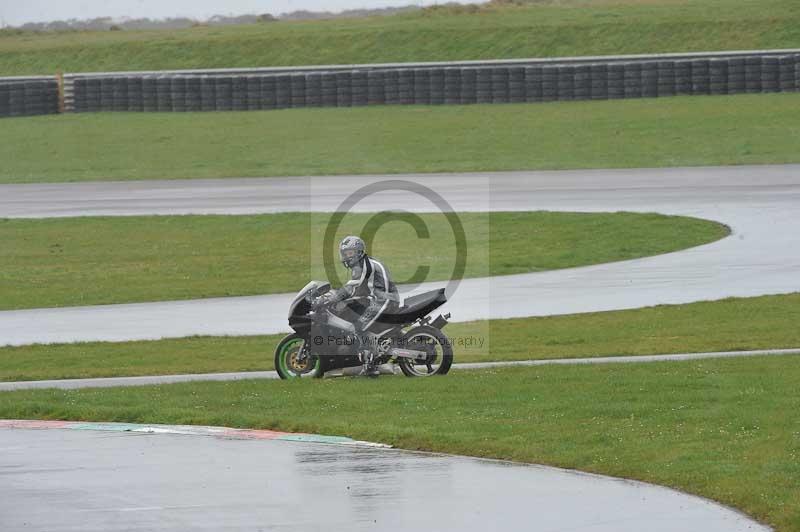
(527, 29)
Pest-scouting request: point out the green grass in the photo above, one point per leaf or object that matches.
(535, 29)
(82, 261)
(680, 131)
(724, 429)
(727, 325)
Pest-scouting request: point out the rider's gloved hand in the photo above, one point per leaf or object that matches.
(318, 302)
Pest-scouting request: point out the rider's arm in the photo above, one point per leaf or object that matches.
(382, 287)
(346, 291)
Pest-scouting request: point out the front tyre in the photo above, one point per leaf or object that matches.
(292, 361)
(437, 346)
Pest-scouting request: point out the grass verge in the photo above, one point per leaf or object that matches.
(82, 261)
(728, 325)
(724, 429)
(679, 131)
(498, 30)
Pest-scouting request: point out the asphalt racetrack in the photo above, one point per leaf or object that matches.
(759, 203)
(123, 478)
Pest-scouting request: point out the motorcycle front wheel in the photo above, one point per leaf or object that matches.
(292, 362)
(435, 343)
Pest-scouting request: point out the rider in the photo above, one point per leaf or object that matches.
(369, 279)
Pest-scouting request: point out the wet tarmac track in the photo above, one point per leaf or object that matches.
(83, 480)
(759, 203)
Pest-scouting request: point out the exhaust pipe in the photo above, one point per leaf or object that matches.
(441, 321)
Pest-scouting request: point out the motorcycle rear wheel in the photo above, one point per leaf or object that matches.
(290, 365)
(431, 339)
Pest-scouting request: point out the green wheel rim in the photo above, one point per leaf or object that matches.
(282, 359)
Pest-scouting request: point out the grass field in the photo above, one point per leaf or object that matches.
(82, 261)
(533, 29)
(727, 325)
(680, 131)
(724, 429)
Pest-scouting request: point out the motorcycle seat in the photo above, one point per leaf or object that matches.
(415, 307)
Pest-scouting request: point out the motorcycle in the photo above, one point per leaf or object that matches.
(325, 338)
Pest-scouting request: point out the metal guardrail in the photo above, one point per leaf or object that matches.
(452, 82)
(19, 79)
(445, 64)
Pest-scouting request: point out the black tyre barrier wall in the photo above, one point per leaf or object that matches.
(640, 78)
(27, 98)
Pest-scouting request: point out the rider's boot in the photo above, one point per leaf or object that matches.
(370, 369)
(367, 353)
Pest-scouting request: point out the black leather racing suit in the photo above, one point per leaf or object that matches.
(369, 279)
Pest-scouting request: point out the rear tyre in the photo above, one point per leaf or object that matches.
(435, 343)
(292, 363)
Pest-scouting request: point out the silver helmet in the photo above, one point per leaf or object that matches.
(351, 251)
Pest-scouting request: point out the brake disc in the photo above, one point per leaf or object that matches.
(299, 366)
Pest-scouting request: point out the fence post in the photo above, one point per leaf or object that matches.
(60, 80)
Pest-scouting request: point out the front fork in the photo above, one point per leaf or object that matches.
(303, 354)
